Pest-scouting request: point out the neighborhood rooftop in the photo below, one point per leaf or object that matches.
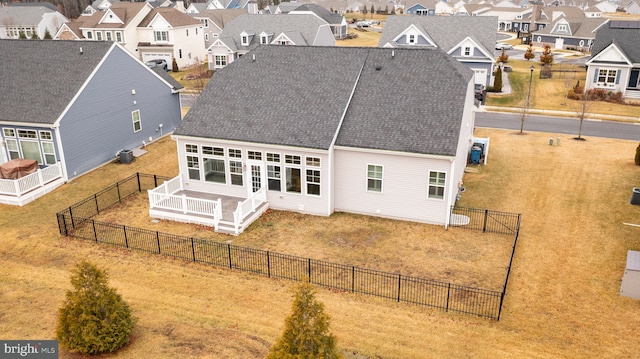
(298, 95)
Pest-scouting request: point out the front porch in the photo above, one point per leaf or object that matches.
(21, 191)
(226, 214)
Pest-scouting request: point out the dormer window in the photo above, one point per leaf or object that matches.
(264, 39)
(411, 39)
(467, 51)
(245, 40)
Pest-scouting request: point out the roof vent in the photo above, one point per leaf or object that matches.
(378, 68)
(393, 53)
(254, 57)
(80, 50)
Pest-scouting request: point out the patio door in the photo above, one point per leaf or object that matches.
(257, 176)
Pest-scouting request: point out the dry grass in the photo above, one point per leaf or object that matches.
(550, 94)
(459, 256)
(562, 301)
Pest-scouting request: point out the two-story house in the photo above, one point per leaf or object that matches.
(246, 32)
(568, 33)
(147, 32)
(213, 21)
(468, 39)
(29, 19)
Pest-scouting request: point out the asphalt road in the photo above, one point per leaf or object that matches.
(559, 125)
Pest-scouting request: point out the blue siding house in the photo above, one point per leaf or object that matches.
(78, 104)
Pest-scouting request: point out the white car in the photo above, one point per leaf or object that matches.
(503, 46)
(363, 23)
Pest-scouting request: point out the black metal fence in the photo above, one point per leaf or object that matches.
(485, 220)
(76, 221)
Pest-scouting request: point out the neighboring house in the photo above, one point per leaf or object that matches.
(148, 33)
(76, 105)
(510, 18)
(336, 22)
(632, 7)
(568, 33)
(468, 39)
(166, 33)
(615, 61)
(213, 21)
(246, 32)
(324, 130)
(29, 19)
(424, 7)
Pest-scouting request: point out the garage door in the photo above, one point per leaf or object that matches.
(146, 56)
(480, 76)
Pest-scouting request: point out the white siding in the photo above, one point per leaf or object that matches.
(303, 202)
(404, 186)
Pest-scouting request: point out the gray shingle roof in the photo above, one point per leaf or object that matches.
(412, 101)
(305, 26)
(580, 27)
(445, 31)
(40, 77)
(24, 15)
(627, 39)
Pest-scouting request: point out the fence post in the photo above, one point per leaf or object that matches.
(126, 240)
(229, 251)
(484, 226)
(193, 250)
(353, 279)
(158, 239)
(448, 293)
(138, 175)
(399, 280)
(268, 265)
(501, 300)
(118, 188)
(95, 198)
(309, 268)
(95, 233)
(64, 225)
(155, 181)
(73, 225)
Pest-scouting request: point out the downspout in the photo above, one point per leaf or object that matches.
(63, 162)
(335, 138)
(451, 196)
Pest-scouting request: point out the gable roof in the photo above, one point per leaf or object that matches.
(174, 17)
(323, 13)
(220, 17)
(395, 106)
(303, 28)
(625, 34)
(125, 11)
(579, 27)
(40, 77)
(445, 31)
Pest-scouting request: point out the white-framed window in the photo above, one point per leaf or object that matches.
(374, 178)
(274, 174)
(180, 53)
(193, 167)
(119, 36)
(214, 170)
(581, 43)
(313, 161)
(215, 151)
(49, 153)
(27, 134)
(313, 182)
(206, 23)
(221, 60)
(12, 147)
(191, 148)
(9, 132)
(437, 182)
(108, 35)
(411, 39)
(283, 42)
(90, 35)
(45, 135)
(607, 77)
(562, 27)
(293, 175)
(244, 39)
(206, 37)
(539, 39)
(98, 35)
(235, 172)
(235, 153)
(137, 122)
(161, 36)
(264, 39)
(254, 155)
(467, 51)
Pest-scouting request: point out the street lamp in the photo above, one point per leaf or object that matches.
(526, 107)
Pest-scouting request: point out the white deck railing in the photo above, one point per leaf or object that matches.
(164, 197)
(247, 206)
(20, 186)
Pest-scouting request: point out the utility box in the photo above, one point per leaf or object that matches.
(126, 156)
(635, 196)
(630, 286)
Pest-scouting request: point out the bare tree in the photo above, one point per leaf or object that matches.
(199, 75)
(583, 107)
